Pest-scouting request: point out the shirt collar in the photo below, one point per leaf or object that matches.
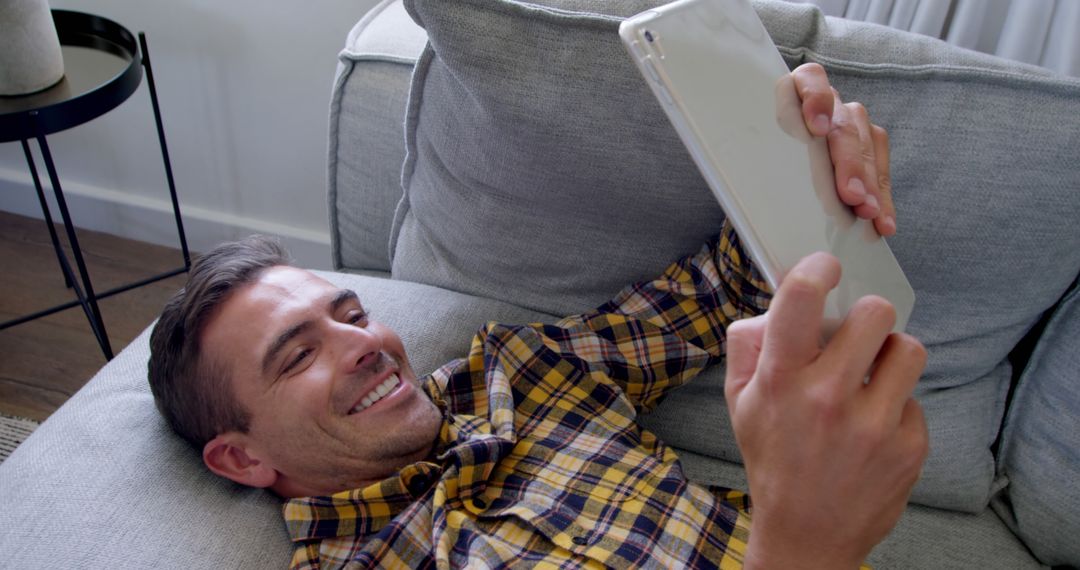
(358, 512)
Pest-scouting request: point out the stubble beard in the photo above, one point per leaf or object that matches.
(414, 439)
(394, 447)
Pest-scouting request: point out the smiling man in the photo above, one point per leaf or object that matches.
(527, 451)
(300, 329)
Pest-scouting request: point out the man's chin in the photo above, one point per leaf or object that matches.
(404, 430)
(414, 439)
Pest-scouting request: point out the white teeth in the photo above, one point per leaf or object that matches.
(377, 393)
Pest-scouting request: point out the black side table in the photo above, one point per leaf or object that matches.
(112, 69)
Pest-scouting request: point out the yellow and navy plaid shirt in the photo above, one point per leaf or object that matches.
(540, 460)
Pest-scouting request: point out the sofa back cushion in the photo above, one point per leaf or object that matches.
(540, 171)
(1040, 449)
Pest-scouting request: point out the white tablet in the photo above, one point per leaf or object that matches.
(727, 91)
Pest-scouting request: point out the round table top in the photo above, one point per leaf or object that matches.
(101, 70)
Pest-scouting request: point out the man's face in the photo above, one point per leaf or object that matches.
(334, 403)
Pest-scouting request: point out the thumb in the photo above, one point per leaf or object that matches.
(744, 340)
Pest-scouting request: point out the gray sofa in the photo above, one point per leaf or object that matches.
(539, 177)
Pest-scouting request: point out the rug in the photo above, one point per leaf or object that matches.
(13, 431)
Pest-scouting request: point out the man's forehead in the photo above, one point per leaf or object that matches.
(251, 315)
(289, 278)
(277, 292)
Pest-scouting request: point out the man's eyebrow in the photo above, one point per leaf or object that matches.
(343, 296)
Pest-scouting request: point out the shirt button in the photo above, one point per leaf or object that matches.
(419, 484)
(580, 540)
(479, 503)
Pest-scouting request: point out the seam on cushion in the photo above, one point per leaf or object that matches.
(408, 168)
(960, 73)
(531, 10)
(593, 20)
(602, 21)
(349, 56)
(332, 163)
(561, 13)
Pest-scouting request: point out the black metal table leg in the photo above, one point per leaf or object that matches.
(79, 98)
(60, 257)
(164, 148)
(86, 296)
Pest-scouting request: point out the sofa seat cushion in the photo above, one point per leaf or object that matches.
(540, 171)
(104, 483)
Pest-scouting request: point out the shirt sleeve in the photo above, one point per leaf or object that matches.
(305, 556)
(656, 335)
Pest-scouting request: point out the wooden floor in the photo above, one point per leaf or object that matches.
(44, 362)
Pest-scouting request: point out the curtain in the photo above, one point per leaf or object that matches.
(1040, 32)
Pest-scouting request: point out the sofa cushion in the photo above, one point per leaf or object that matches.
(924, 537)
(104, 483)
(1040, 449)
(367, 141)
(541, 172)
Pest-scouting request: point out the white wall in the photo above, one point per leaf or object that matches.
(244, 87)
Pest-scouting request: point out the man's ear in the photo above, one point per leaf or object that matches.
(230, 456)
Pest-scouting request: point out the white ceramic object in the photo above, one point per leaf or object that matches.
(30, 57)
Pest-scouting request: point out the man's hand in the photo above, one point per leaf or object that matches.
(831, 458)
(859, 149)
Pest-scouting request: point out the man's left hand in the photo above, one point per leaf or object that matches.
(859, 148)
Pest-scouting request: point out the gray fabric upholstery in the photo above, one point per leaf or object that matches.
(104, 483)
(1040, 450)
(367, 142)
(924, 538)
(540, 171)
(509, 131)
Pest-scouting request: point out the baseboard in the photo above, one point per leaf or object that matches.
(151, 220)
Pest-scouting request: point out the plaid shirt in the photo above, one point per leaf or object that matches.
(540, 460)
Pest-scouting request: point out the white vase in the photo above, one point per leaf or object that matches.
(30, 57)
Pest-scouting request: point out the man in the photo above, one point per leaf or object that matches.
(527, 451)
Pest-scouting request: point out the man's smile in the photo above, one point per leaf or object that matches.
(390, 385)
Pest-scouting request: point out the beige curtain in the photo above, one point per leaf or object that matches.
(1040, 32)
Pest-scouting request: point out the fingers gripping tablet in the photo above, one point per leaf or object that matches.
(731, 98)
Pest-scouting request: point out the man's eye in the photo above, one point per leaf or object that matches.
(296, 361)
(356, 317)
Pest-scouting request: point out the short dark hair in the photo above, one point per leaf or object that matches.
(195, 397)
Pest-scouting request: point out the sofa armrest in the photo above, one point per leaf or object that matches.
(367, 136)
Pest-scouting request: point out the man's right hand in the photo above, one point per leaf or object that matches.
(831, 457)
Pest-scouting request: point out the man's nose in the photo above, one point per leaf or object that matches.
(359, 348)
